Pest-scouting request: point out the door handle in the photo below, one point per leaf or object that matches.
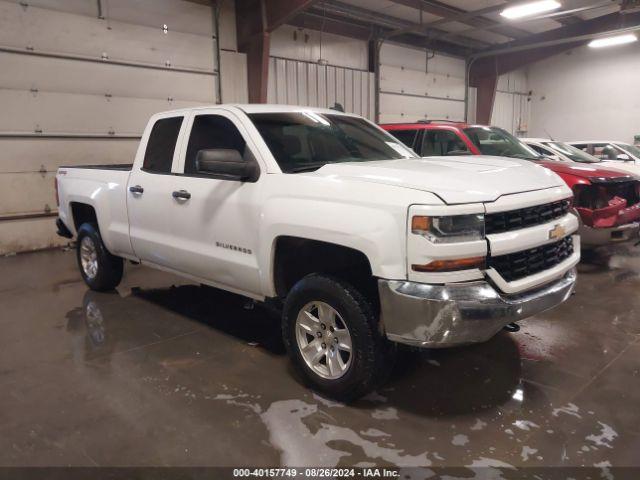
(136, 190)
(181, 195)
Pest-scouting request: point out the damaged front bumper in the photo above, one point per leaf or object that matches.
(615, 223)
(438, 316)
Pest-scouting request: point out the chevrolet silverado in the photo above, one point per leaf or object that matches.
(359, 243)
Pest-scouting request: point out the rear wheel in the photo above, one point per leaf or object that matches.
(332, 335)
(99, 269)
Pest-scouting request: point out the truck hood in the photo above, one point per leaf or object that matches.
(464, 179)
(584, 170)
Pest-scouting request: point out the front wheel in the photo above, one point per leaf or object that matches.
(100, 270)
(333, 337)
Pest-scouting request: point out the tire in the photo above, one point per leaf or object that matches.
(100, 270)
(358, 371)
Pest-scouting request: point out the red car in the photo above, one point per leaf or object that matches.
(607, 200)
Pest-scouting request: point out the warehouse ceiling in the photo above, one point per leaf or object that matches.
(459, 27)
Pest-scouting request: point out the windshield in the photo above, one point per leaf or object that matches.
(500, 143)
(632, 149)
(305, 141)
(573, 153)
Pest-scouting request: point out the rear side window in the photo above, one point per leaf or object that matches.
(407, 137)
(442, 142)
(540, 150)
(161, 145)
(212, 131)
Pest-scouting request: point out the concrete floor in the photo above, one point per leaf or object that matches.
(164, 373)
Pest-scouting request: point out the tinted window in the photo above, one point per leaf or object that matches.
(606, 151)
(442, 142)
(162, 143)
(539, 150)
(405, 136)
(632, 149)
(573, 153)
(212, 131)
(304, 141)
(498, 142)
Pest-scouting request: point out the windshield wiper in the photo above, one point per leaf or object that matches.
(306, 168)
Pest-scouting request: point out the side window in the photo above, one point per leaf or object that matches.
(541, 150)
(407, 137)
(584, 148)
(605, 152)
(161, 145)
(212, 131)
(536, 148)
(442, 142)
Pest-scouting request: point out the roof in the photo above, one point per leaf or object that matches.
(259, 108)
(425, 124)
(573, 142)
(538, 140)
(459, 27)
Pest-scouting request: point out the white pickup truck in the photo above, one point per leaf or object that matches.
(361, 243)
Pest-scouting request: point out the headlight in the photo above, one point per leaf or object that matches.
(456, 228)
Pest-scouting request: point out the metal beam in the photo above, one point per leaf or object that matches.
(542, 45)
(255, 20)
(450, 13)
(336, 26)
(351, 28)
(396, 25)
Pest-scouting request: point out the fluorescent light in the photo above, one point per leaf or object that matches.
(610, 41)
(531, 8)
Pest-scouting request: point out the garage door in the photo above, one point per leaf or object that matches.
(79, 80)
(417, 85)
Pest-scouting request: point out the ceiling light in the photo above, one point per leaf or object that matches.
(531, 8)
(610, 41)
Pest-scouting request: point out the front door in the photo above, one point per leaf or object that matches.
(217, 218)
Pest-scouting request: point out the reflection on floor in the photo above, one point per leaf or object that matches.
(166, 373)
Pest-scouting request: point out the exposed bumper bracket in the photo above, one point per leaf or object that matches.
(63, 231)
(437, 316)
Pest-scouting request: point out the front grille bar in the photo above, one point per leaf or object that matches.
(515, 266)
(525, 217)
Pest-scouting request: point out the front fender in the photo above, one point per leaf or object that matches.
(377, 232)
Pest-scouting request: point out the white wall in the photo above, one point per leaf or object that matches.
(413, 87)
(78, 89)
(296, 78)
(511, 107)
(299, 44)
(587, 94)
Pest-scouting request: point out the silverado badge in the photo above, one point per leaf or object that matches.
(557, 232)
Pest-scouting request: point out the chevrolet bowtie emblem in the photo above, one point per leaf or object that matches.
(557, 232)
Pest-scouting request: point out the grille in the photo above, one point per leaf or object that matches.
(515, 266)
(525, 217)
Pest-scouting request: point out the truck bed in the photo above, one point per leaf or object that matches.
(126, 167)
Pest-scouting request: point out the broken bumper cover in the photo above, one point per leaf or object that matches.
(438, 316)
(596, 237)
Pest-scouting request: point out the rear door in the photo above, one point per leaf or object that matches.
(154, 233)
(438, 142)
(406, 136)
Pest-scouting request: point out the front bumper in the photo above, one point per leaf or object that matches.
(63, 231)
(438, 316)
(597, 237)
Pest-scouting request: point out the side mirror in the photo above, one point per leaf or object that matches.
(226, 163)
(624, 157)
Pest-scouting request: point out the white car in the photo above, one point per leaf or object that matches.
(620, 155)
(565, 152)
(329, 217)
